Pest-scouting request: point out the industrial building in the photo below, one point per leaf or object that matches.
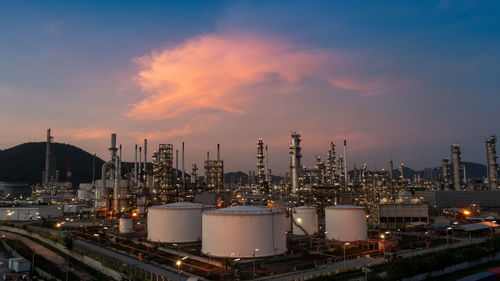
(14, 190)
(398, 215)
(440, 199)
(28, 213)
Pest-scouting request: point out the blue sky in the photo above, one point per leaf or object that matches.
(399, 80)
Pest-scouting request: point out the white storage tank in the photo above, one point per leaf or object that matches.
(175, 223)
(125, 225)
(305, 220)
(244, 231)
(345, 223)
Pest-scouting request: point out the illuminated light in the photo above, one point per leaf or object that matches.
(134, 214)
(299, 221)
(466, 212)
(178, 263)
(382, 236)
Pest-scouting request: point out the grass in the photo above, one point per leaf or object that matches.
(466, 272)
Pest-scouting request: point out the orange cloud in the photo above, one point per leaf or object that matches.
(206, 73)
(85, 133)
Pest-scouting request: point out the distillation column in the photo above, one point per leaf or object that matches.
(456, 163)
(491, 162)
(331, 164)
(446, 173)
(260, 162)
(295, 156)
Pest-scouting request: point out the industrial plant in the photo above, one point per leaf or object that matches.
(153, 220)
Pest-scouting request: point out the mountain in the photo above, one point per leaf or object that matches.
(26, 162)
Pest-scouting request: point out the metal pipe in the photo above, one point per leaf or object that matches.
(218, 152)
(268, 176)
(176, 165)
(46, 176)
(116, 189)
(135, 165)
(183, 172)
(145, 160)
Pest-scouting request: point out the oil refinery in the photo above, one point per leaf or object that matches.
(326, 218)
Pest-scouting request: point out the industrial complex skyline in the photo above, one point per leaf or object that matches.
(398, 81)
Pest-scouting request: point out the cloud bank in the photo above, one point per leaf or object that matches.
(206, 74)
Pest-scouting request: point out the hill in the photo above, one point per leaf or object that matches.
(26, 162)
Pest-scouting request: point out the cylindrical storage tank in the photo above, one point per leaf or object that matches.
(345, 223)
(305, 220)
(244, 231)
(125, 225)
(175, 223)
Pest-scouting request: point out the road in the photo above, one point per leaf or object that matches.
(130, 260)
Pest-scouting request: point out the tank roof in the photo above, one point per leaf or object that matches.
(245, 210)
(344, 207)
(180, 205)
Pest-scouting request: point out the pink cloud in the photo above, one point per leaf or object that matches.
(206, 73)
(85, 133)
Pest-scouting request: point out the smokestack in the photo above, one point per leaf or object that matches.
(135, 165)
(401, 171)
(176, 165)
(295, 156)
(218, 152)
(68, 173)
(93, 170)
(139, 169)
(113, 148)
(120, 162)
(346, 171)
(116, 190)
(183, 171)
(194, 176)
(145, 158)
(48, 155)
(208, 155)
(491, 162)
(268, 176)
(456, 163)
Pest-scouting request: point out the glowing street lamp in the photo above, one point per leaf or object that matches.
(345, 244)
(254, 251)
(178, 263)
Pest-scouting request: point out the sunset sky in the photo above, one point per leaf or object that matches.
(398, 79)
